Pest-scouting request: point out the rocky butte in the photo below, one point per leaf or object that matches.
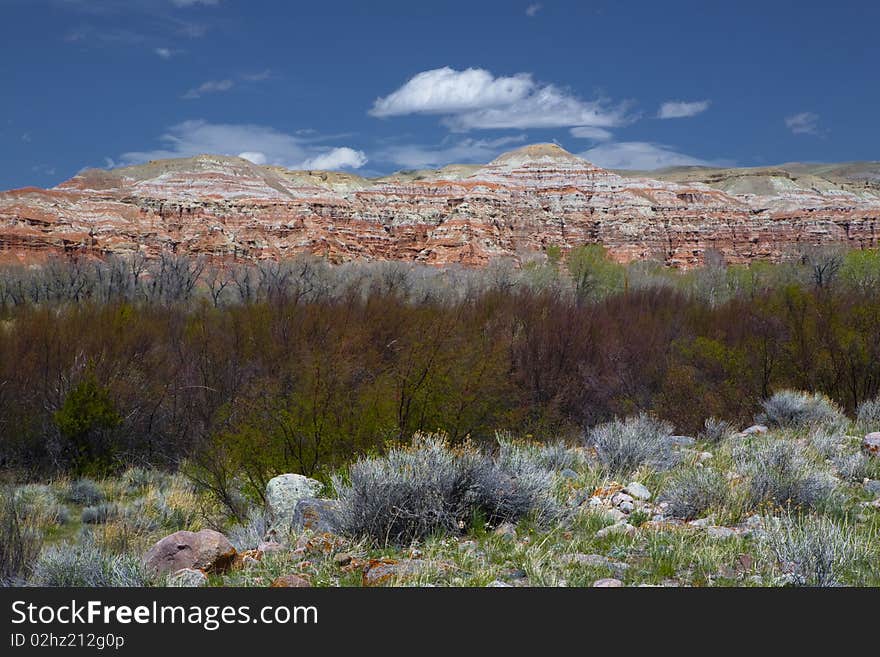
(519, 204)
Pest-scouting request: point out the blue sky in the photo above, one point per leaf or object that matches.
(378, 86)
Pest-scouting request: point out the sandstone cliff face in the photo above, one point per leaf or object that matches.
(517, 205)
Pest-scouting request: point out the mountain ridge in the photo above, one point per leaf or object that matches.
(515, 206)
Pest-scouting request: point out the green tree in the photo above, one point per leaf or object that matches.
(86, 421)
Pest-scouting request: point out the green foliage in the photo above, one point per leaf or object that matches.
(86, 421)
(594, 274)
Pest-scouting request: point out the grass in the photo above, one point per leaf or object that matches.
(793, 501)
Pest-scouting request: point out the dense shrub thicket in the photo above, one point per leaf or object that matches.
(298, 366)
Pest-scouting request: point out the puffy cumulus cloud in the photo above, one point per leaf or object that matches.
(586, 132)
(259, 144)
(533, 9)
(164, 53)
(804, 123)
(462, 151)
(447, 91)
(679, 109)
(642, 155)
(476, 99)
(337, 158)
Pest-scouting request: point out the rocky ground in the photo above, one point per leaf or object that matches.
(786, 505)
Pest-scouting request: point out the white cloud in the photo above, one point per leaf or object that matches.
(336, 158)
(259, 144)
(447, 91)
(533, 9)
(164, 53)
(805, 123)
(415, 156)
(209, 87)
(586, 132)
(476, 99)
(253, 156)
(642, 155)
(679, 109)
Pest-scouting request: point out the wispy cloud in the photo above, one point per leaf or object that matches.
(533, 9)
(476, 99)
(191, 3)
(679, 109)
(209, 87)
(259, 144)
(226, 84)
(165, 53)
(643, 156)
(596, 134)
(804, 123)
(459, 151)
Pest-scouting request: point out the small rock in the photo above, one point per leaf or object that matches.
(876, 503)
(188, 578)
(290, 582)
(268, 547)
(594, 502)
(720, 532)
(607, 583)
(679, 441)
(317, 515)
(498, 584)
(872, 486)
(506, 530)
(619, 528)
(342, 559)
(871, 444)
(380, 572)
(619, 498)
(626, 507)
(615, 515)
(248, 561)
(754, 429)
(637, 490)
(568, 473)
(702, 522)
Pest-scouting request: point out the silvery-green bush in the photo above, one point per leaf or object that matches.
(868, 415)
(86, 564)
(623, 445)
(813, 550)
(84, 491)
(716, 431)
(780, 473)
(791, 409)
(430, 488)
(693, 491)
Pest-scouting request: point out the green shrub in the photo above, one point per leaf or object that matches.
(868, 415)
(716, 431)
(84, 491)
(623, 445)
(20, 539)
(813, 550)
(85, 564)
(790, 409)
(693, 491)
(780, 473)
(430, 488)
(86, 421)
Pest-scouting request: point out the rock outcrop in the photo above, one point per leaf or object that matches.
(519, 204)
